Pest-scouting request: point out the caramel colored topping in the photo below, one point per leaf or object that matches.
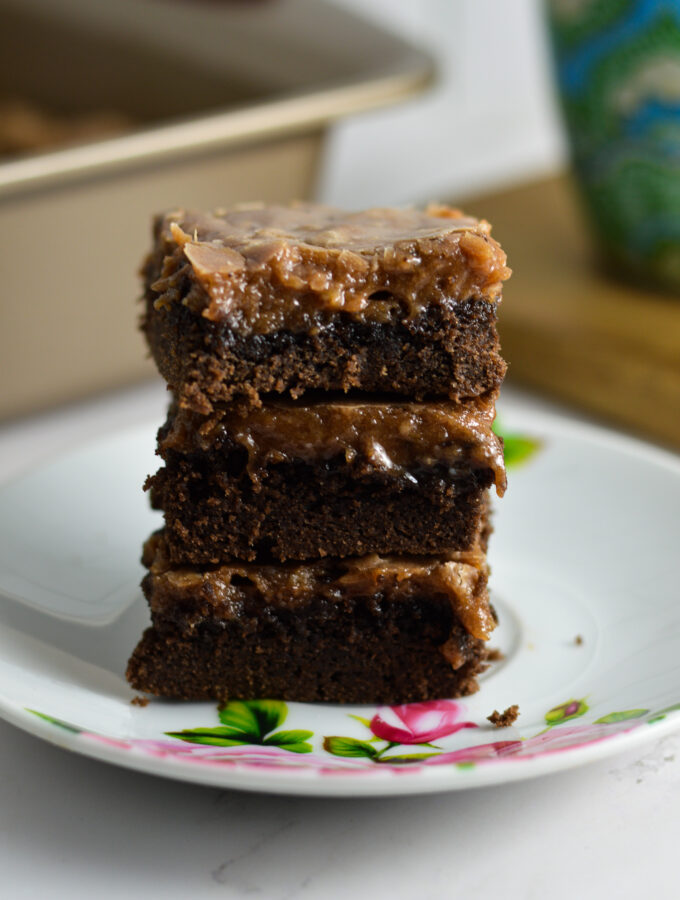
(461, 577)
(457, 577)
(389, 436)
(266, 268)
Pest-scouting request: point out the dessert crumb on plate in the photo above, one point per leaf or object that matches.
(506, 718)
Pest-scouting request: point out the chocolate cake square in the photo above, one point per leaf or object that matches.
(368, 629)
(257, 300)
(298, 481)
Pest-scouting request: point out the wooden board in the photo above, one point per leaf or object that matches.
(572, 331)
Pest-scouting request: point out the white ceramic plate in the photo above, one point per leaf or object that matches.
(585, 578)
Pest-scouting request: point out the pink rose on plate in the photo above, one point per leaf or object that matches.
(418, 723)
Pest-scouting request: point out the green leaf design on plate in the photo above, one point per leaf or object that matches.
(572, 709)
(255, 718)
(295, 741)
(248, 722)
(661, 714)
(517, 448)
(215, 737)
(58, 722)
(621, 716)
(301, 747)
(347, 746)
(405, 758)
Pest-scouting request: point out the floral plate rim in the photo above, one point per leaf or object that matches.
(324, 779)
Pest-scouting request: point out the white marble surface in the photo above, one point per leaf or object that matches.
(70, 826)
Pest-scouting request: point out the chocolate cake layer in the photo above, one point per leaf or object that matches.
(368, 630)
(360, 657)
(276, 300)
(342, 479)
(383, 435)
(306, 511)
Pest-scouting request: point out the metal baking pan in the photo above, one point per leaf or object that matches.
(224, 102)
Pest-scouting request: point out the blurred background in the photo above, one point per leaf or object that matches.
(490, 118)
(110, 112)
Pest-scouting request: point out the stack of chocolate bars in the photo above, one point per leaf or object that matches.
(328, 454)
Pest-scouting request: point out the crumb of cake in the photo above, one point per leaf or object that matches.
(495, 655)
(140, 701)
(506, 718)
(578, 640)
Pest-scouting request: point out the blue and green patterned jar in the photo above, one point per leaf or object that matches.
(618, 68)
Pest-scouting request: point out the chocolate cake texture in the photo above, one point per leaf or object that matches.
(293, 481)
(262, 300)
(384, 629)
(328, 453)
